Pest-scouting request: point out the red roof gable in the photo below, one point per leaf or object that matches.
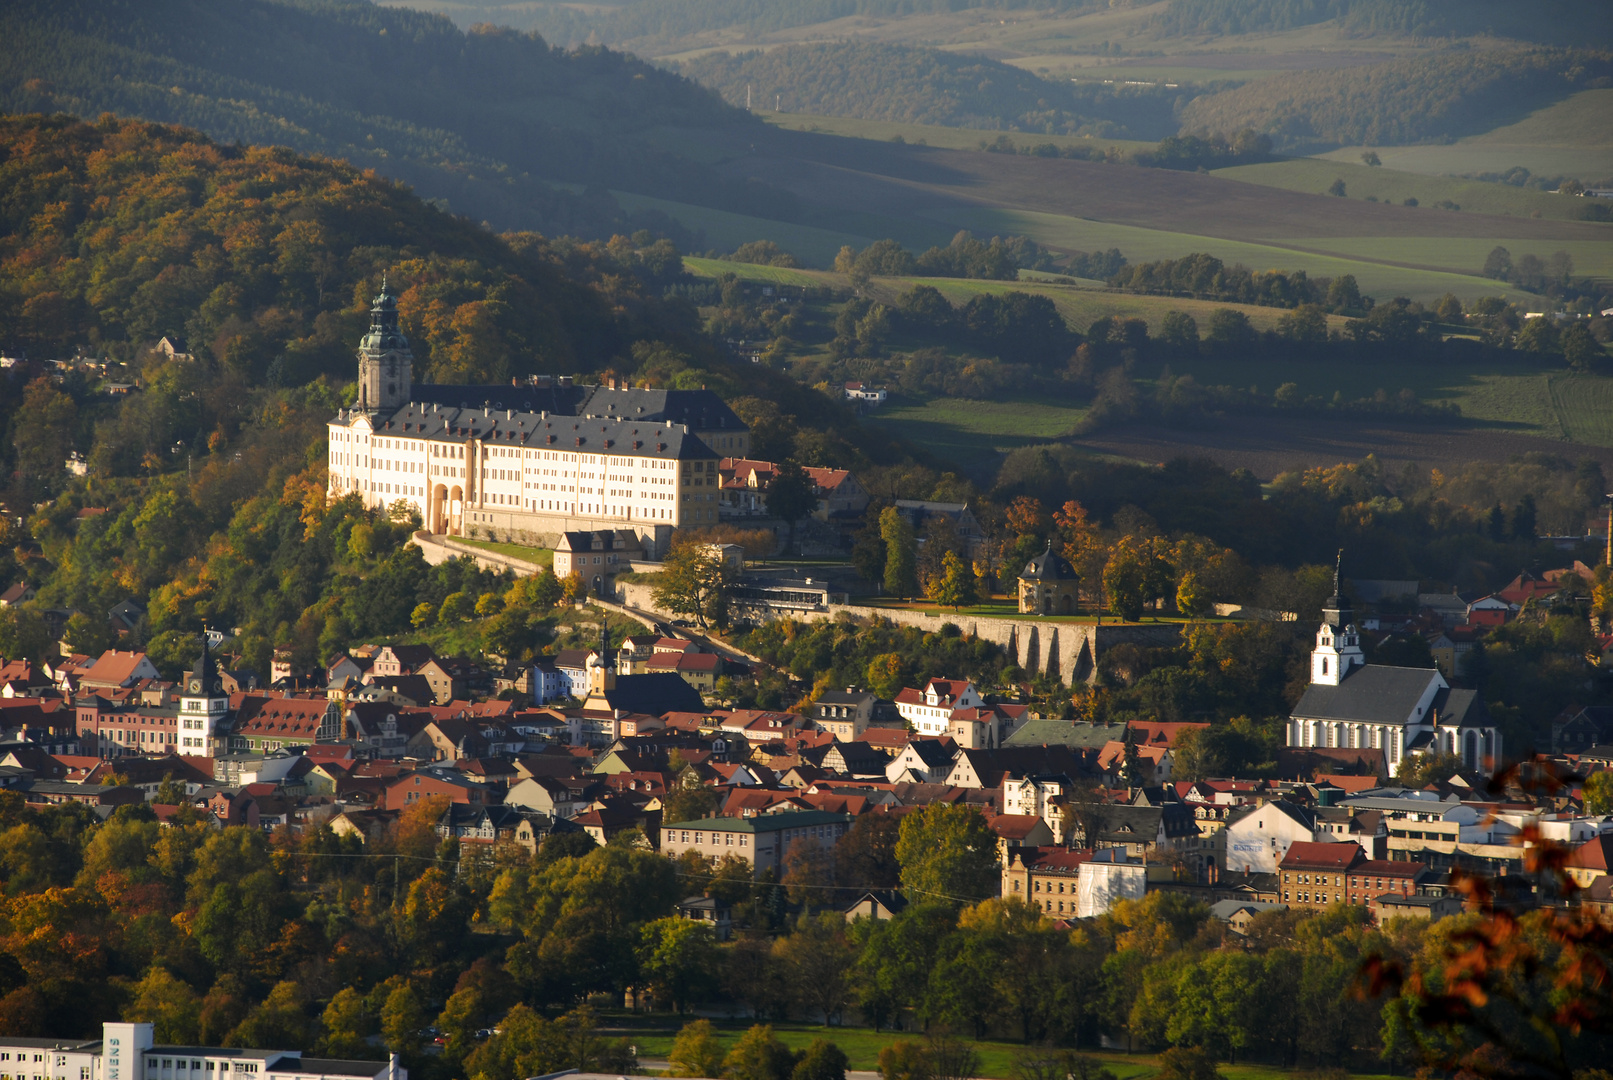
(1306, 855)
(1594, 854)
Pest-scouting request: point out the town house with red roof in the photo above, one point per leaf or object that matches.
(930, 709)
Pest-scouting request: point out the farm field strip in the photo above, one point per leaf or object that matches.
(1080, 303)
(1591, 258)
(777, 275)
(1315, 175)
(1584, 407)
(1081, 307)
(725, 230)
(1571, 137)
(1141, 245)
(973, 433)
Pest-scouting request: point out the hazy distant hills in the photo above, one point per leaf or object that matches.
(1425, 99)
(480, 118)
(1551, 22)
(660, 26)
(653, 24)
(875, 81)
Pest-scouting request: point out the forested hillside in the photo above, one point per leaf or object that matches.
(206, 486)
(874, 81)
(1554, 22)
(1426, 99)
(480, 119)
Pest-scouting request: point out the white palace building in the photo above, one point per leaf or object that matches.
(532, 460)
(128, 1052)
(1404, 712)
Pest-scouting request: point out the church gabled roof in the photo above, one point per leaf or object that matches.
(1370, 694)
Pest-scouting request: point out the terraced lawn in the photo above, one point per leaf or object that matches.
(539, 556)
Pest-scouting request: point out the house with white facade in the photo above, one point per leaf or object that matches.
(930, 709)
(1257, 840)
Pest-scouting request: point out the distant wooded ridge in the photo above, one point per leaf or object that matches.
(1554, 22)
(876, 81)
(479, 119)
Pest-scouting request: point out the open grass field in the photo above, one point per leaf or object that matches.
(974, 433)
(1569, 138)
(1081, 303)
(1381, 279)
(725, 231)
(855, 189)
(1392, 185)
(926, 182)
(1508, 409)
(1277, 444)
(653, 1035)
(1592, 258)
(777, 275)
(1081, 306)
(1584, 407)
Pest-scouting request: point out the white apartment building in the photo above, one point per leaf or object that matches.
(128, 1052)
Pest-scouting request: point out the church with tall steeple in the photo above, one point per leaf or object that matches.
(203, 709)
(1404, 712)
(532, 460)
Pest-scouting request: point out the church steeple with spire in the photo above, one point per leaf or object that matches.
(202, 707)
(385, 361)
(1338, 643)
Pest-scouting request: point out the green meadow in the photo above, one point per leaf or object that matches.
(1570, 138)
(652, 1035)
(973, 433)
(1591, 258)
(1140, 245)
(1315, 175)
(725, 231)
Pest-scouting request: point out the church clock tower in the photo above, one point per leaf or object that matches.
(203, 707)
(385, 363)
(1338, 643)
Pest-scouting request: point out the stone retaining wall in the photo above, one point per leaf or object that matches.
(1066, 649)
(439, 549)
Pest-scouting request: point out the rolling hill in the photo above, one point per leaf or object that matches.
(484, 120)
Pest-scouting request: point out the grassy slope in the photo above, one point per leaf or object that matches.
(1139, 244)
(1591, 258)
(974, 432)
(1571, 137)
(539, 556)
(726, 231)
(1080, 305)
(1392, 185)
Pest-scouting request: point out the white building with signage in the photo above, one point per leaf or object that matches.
(128, 1052)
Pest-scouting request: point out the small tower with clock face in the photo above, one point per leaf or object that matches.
(203, 706)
